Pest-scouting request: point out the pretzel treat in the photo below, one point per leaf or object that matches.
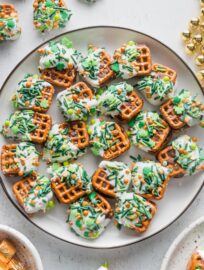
(19, 159)
(34, 94)
(197, 260)
(7, 252)
(77, 102)
(150, 179)
(183, 156)
(34, 193)
(66, 142)
(9, 23)
(134, 212)
(89, 216)
(58, 62)
(50, 14)
(163, 72)
(120, 100)
(69, 183)
(148, 131)
(183, 110)
(111, 177)
(95, 67)
(107, 139)
(159, 86)
(27, 125)
(132, 60)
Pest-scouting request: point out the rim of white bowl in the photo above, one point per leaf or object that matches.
(178, 239)
(25, 241)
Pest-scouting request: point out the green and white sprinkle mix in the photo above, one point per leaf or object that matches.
(29, 93)
(86, 219)
(105, 266)
(132, 210)
(118, 174)
(27, 158)
(73, 107)
(9, 28)
(188, 154)
(59, 55)
(156, 90)
(50, 14)
(89, 66)
(189, 109)
(19, 125)
(39, 197)
(142, 129)
(73, 175)
(59, 147)
(110, 102)
(101, 137)
(125, 60)
(148, 178)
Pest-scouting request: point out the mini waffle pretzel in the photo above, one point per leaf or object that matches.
(150, 179)
(77, 102)
(111, 177)
(7, 251)
(28, 126)
(95, 67)
(134, 212)
(66, 141)
(33, 193)
(160, 71)
(19, 159)
(183, 156)
(182, 110)
(9, 24)
(132, 60)
(89, 216)
(58, 62)
(107, 139)
(120, 100)
(148, 131)
(196, 261)
(34, 94)
(70, 183)
(49, 16)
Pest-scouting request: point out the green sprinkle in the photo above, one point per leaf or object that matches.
(7, 123)
(70, 111)
(15, 130)
(10, 23)
(50, 204)
(67, 42)
(60, 66)
(131, 123)
(143, 133)
(176, 100)
(115, 67)
(141, 124)
(44, 103)
(131, 43)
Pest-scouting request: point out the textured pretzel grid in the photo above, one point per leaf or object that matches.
(66, 194)
(102, 184)
(77, 133)
(168, 72)
(120, 143)
(167, 111)
(47, 94)
(144, 60)
(131, 108)
(85, 91)
(196, 262)
(8, 10)
(160, 136)
(64, 78)
(43, 123)
(168, 155)
(22, 187)
(8, 163)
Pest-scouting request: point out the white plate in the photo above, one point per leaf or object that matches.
(181, 192)
(183, 246)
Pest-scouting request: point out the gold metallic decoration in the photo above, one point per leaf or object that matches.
(194, 23)
(202, 13)
(199, 60)
(201, 26)
(200, 75)
(202, 3)
(186, 35)
(202, 49)
(190, 48)
(197, 39)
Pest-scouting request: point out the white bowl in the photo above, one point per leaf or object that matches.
(25, 249)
